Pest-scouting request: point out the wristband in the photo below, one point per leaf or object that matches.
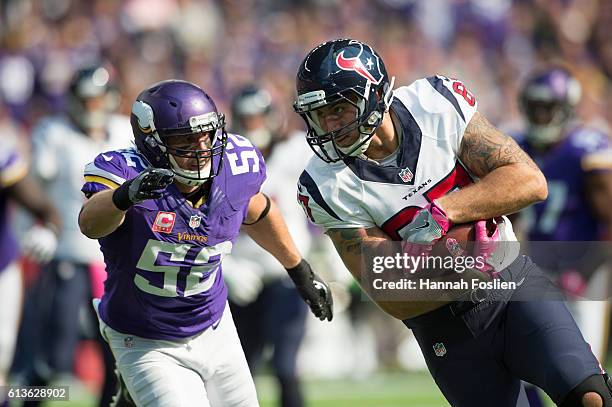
(121, 197)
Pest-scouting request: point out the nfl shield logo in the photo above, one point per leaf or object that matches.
(194, 221)
(439, 349)
(406, 174)
(128, 342)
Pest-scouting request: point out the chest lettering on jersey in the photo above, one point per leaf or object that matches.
(457, 178)
(181, 277)
(417, 189)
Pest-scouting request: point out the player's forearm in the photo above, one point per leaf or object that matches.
(509, 179)
(99, 216)
(271, 233)
(357, 247)
(504, 190)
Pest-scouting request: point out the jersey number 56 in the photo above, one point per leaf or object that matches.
(181, 277)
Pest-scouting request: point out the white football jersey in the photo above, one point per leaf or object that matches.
(59, 154)
(283, 169)
(431, 116)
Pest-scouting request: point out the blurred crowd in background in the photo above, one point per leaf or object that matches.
(491, 45)
(220, 45)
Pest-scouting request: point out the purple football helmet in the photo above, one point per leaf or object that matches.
(547, 101)
(172, 111)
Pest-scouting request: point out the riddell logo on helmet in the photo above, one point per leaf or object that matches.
(164, 222)
(355, 64)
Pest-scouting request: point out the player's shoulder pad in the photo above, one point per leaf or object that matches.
(113, 168)
(592, 147)
(244, 165)
(585, 140)
(331, 196)
(438, 95)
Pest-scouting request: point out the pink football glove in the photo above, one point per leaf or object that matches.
(428, 225)
(426, 228)
(484, 246)
(573, 283)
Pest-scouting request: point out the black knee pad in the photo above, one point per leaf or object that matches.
(598, 383)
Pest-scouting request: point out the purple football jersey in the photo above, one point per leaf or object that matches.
(565, 215)
(164, 262)
(13, 167)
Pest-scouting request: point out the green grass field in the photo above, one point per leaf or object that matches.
(380, 390)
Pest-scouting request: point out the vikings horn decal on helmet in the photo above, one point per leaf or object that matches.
(547, 101)
(334, 75)
(164, 119)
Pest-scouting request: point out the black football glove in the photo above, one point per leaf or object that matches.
(147, 185)
(313, 290)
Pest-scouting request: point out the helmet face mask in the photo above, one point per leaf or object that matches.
(343, 93)
(176, 126)
(547, 101)
(91, 97)
(254, 116)
(334, 127)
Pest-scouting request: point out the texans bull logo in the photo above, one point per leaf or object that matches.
(369, 70)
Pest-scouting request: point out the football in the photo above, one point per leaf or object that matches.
(459, 240)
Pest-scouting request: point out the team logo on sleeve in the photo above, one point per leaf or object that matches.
(194, 221)
(439, 349)
(405, 174)
(164, 222)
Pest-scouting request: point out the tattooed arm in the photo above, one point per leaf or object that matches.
(357, 247)
(509, 179)
(352, 244)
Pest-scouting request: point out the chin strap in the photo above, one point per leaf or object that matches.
(388, 97)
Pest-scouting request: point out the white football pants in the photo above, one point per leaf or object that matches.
(208, 369)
